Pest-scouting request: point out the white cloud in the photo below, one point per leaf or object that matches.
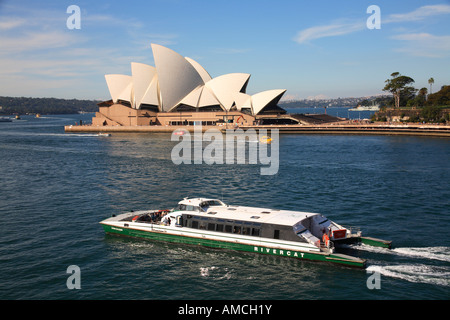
(419, 14)
(424, 44)
(331, 30)
(37, 40)
(11, 23)
(230, 50)
(39, 54)
(145, 41)
(339, 29)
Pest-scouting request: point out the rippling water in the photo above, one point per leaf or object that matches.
(56, 187)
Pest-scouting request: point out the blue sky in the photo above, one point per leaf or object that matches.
(310, 48)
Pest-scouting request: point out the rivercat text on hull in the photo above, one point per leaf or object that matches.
(212, 223)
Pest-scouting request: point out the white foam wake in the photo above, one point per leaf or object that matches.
(432, 253)
(419, 273)
(214, 273)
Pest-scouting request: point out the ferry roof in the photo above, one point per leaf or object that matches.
(253, 214)
(197, 201)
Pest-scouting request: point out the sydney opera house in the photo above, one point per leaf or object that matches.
(179, 91)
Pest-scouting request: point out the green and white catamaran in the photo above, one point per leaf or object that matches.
(212, 223)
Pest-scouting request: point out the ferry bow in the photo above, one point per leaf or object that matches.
(212, 223)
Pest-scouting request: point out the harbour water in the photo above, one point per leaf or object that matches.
(56, 187)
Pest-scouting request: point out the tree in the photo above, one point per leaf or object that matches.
(419, 100)
(431, 82)
(398, 85)
(431, 114)
(440, 98)
(422, 96)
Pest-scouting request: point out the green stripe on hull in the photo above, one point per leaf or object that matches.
(163, 236)
(376, 242)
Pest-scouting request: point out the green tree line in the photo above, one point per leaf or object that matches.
(24, 105)
(405, 95)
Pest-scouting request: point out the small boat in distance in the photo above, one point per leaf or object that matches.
(366, 108)
(265, 139)
(212, 223)
(4, 119)
(179, 132)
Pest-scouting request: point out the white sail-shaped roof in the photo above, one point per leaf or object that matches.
(178, 80)
(152, 94)
(193, 98)
(177, 77)
(142, 75)
(242, 100)
(208, 98)
(262, 99)
(201, 71)
(119, 86)
(224, 87)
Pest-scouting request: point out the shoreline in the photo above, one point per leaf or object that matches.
(340, 128)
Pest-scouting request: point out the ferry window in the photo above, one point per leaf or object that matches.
(276, 234)
(219, 227)
(228, 228)
(189, 208)
(195, 224)
(211, 226)
(246, 230)
(255, 232)
(236, 229)
(182, 207)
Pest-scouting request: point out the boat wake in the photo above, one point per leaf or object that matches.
(412, 272)
(432, 253)
(418, 273)
(75, 134)
(65, 135)
(214, 273)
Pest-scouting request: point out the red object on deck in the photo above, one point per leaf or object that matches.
(337, 234)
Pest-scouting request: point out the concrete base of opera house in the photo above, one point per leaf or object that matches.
(361, 129)
(118, 118)
(136, 129)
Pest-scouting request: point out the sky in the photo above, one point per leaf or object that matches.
(321, 49)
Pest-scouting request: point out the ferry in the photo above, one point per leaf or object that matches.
(212, 223)
(366, 108)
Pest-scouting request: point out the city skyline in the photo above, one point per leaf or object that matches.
(314, 49)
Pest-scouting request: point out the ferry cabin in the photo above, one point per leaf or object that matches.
(274, 227)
